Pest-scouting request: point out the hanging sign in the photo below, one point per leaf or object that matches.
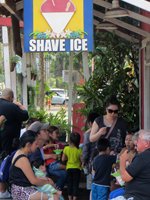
(58, 25)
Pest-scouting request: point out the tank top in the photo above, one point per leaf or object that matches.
(16, 175)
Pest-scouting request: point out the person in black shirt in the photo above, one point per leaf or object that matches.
(22, 178)
(137, 174)
(102, 166)
(110, 126)
(14, 113)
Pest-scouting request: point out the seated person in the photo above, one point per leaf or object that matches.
(130, 147)
(40, 171)
(53, 164)
(22, 177)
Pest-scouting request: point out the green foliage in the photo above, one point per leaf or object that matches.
(116, 73)
(41, 114)
(58, 119)
(15, 59)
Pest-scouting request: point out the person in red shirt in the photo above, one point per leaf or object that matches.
(53, 163)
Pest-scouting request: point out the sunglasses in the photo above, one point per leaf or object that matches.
(112, 111)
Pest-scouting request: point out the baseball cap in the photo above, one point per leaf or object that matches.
(38, 126)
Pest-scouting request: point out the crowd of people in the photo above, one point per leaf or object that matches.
(116, 162)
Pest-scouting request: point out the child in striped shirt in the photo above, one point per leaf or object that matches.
(40, 171)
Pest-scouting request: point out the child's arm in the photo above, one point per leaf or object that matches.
(93, 172)
(50, 145)
(47, 156)
(64, 157)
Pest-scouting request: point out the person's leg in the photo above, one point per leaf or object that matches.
(39, 196)
(76, 180)
(102, 192)
(94, 192)
(70, 184)
(60, 174)
(2, 187)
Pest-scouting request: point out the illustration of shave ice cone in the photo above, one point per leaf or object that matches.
(58, 13)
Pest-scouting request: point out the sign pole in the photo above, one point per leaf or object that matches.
(70, 89)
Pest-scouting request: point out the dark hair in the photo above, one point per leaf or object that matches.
(37, 163)
(92, 116)
(28, 136)
(51, 129)
(103, 144)
(129, 133)
(112, 101)
(75, 138)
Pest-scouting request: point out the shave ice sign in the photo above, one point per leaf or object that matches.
(58, 25)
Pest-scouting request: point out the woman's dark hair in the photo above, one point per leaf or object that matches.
(75, 138)
(92, 116)
(27, 137)
(103, 144)
(112, 101)
(37, 163)
(51, 129)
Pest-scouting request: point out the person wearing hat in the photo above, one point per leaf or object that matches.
(42, 136)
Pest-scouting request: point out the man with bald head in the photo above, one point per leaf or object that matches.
(15, 114)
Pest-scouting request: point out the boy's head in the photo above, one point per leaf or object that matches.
(129, 141)
(39, 164)
(103, 145)
(53, 133)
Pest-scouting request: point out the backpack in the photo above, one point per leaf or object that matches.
(5, 166)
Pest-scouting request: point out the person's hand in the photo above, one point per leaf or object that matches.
(56, 146)
(2, 119)
(54, 156)
(102, 131)
(50, 181)
(22, 107)
(124, 156)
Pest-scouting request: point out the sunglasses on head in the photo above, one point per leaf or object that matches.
(112, 111)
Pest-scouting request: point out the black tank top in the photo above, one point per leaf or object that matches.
(16, 175)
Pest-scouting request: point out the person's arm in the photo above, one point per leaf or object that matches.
(85, 150)
(52, 155)
(124, 174)
(64, 158)
(20, 111)
(50, 145)
(96, 132)
(24, 164)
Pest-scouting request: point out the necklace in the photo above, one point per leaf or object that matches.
(108, 122)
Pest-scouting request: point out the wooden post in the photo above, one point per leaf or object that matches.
(13, 73)
(24, 83)
(6, 57)
(70, 89)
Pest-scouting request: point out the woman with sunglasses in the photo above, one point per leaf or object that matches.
(110, 126)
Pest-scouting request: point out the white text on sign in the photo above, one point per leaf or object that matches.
(54, 45)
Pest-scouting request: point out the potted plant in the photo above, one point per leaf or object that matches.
(33, 74)
(13, 61)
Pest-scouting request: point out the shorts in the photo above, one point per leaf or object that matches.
(99, 192)
(54, 165)
(22, 193)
